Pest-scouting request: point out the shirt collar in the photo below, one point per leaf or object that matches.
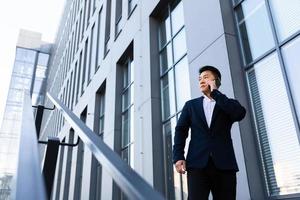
(208, 99)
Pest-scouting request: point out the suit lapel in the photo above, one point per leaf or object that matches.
(201, 111)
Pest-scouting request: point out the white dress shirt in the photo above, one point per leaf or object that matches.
(208, 107)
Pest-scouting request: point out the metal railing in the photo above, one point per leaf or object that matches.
(29, 180)
(131, 183)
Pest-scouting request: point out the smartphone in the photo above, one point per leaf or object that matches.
(218, 83)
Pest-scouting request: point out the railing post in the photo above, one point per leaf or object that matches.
(50, 163)
(38, 119)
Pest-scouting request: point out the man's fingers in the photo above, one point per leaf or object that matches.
(180, 167)
(184, 166)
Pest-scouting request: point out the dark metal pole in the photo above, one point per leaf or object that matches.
(38, 119)
(50, 163)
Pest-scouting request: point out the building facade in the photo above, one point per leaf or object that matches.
(127, 67)
(29, 74)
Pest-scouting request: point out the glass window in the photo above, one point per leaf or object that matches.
(38, 84)
(74, 85)
(15, 95)
(166, 58)
(291, 60)
(97, 62)
(13, 114)
(107, 27)
(78, 76)
(128, 112)
(125, 129)
(177, 18)
(91, 54)
(101, 112)
(168, 95)
(255, 30)
(118, 18)
(179, 45)
(94, 5)
(43, 59)
(88, 13)
(286, 16)
(23, 68)
(83, 20)
(175, 89)
(68, 166)
(182, 85)
(25, 55)
(131, 5)
(84, 66)
(165, 32)
(70, 91)
(276, 132)
(40, 71)
(18, 82)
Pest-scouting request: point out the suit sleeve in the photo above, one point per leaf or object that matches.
(230, 106)
(181, 133)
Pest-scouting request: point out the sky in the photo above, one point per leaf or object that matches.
(41, 16)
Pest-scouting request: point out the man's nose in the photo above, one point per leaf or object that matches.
(202, 81)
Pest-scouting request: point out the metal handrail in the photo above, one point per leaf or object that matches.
(131, 183)
(29, 181)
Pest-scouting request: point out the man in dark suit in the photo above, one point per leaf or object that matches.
(210, 164)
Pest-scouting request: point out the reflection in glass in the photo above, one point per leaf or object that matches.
(291, 57)
(275, 126)
(286, 16)
(255, 30)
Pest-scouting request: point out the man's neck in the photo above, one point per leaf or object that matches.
(207, 94)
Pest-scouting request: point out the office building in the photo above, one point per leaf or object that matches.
(29, 73)
(126, 68)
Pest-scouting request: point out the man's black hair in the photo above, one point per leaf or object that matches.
(214, 70)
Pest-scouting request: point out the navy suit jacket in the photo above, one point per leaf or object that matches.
(214, 141)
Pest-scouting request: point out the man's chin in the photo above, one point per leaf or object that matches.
(204, 90)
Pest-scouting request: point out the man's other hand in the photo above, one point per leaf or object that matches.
(180, 166)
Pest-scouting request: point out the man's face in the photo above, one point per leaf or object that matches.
(204, 77)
